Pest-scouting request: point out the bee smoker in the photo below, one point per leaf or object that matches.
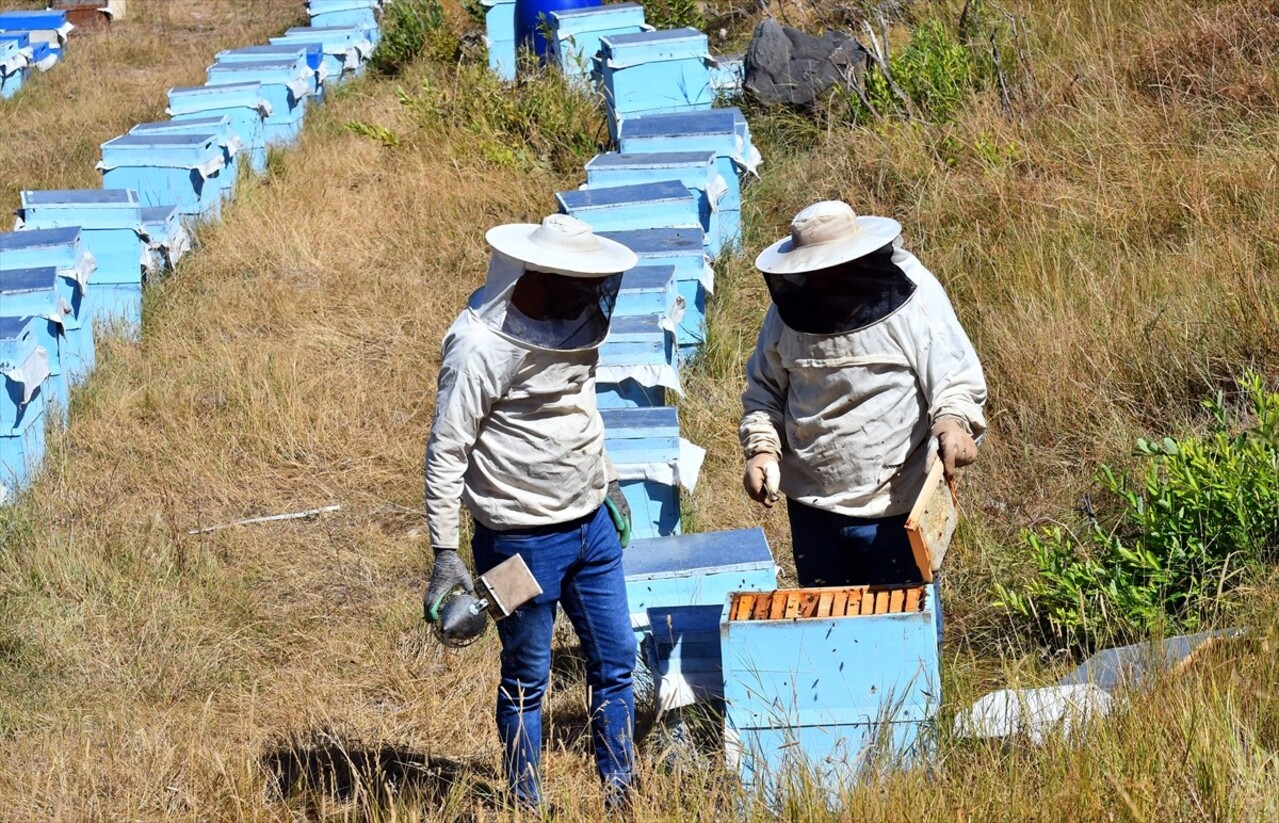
(461, 617)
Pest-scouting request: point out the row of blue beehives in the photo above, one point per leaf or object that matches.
(813, 695)
(79, 259)
(29, 41)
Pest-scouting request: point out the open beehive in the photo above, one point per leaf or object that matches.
(839, 601)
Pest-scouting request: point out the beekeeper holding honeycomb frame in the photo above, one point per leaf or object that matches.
(861, 364)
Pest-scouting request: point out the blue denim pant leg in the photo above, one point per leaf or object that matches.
(579, 566)
(838, 550)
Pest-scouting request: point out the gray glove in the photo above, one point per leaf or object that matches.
(448, 573)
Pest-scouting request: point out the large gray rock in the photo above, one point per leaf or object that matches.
(786, 66)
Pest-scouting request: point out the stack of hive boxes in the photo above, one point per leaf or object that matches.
(29, 40)
(77, 263)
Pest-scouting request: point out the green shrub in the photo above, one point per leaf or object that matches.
(544, 120)
(1201, 517)
(935, 70)
(674, 14)
(413, 29)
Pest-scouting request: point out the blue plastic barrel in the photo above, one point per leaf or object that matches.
(532, 17)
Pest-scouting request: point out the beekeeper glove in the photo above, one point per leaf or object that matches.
(761, 478)
(448, 573)
(955, 445)
(620, 511)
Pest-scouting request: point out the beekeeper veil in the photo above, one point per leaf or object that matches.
(837, 272)
(553, 285)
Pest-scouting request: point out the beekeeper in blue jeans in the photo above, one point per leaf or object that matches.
(862, 375)
(518, 438)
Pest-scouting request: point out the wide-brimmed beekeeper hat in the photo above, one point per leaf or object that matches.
(561, 244)
(826, 234)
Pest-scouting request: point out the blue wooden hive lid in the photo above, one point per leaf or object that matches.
(249, 88)
(32, 20)
(630, 424)
(326, 6)
(212, 124)
(18, 339)
(271, 71)
(327, 31)
(651, 160)
(681, 124)
(8, 50)
(678, 555)
(158, 215)
(311, 52)
(161, 224)
(21, 38)
(89, 209)
(338, 40)
(648, 278)
(624, 50)
(199, 150)
(62, 236)
(608, 17)
(28, 280)
(82, 198)
(241, 94)
(663, 191)
(660, 242)
(636, 327)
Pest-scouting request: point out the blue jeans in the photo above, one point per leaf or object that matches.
(578, 565)
(838, 550)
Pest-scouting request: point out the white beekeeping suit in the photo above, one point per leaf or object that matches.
(517, 435)
(846, 382)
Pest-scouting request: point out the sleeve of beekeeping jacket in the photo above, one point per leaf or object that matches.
(944, 360)
(470, 381)
(764, 401)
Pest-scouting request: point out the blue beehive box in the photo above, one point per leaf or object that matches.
(649, 290)
(242, 102)
(180, 170)
(821, 685)
(219, 126)
(362, 14)
(48, 27)
(695, 169)
(310, 54)
(34, 292)
(61, 249)
(166, 237)
(499, 36)
(24, 367)
(575, 33)
(652, 72)
(111, 230)
(286, 85)
(723, 131)
(13, 66)
(43, 57)
(695, 570)
(638, 363)
(346, 48)
(694, 277)
(653, 463)
(660, 205)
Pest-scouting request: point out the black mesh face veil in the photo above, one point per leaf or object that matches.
(842, 298)
(562, 312)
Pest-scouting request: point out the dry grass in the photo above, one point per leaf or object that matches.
(1112, 255)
